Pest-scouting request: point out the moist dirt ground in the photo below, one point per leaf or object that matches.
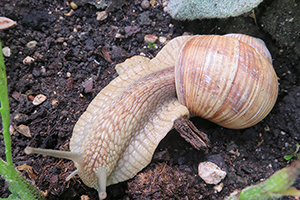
(74, 58)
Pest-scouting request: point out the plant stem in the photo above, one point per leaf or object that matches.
(4, 110)
(18, 185)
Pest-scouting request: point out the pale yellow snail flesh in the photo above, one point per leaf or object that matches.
(117, 135)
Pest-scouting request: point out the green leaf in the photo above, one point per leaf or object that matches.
(289, 157)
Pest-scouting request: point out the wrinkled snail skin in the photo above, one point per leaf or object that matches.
(117, 135)
(131, 129)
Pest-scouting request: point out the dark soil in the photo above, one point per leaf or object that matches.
(72, 49)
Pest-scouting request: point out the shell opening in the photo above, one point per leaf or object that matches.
(76, 157)
(102, 175)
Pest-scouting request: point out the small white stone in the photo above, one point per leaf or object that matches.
(118, 35)
(68, 74)
(218, 188)
(150, 38)
(210, 172)
(73, 5)
(54, 102)
(162, 39)
(11, 129)
(43, 69)
(6, 51)
(101, 15)
(142, 54)
(40, 98)
(28, 60)
(31, 44)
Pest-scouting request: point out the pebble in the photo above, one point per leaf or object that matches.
(84, 197)
(6, 23)
(142, 54)
(101, 15)
(38, 56)
(162, 39)
(28, 60)
(210, 172)
(11, 129)
(218, 188)
(40, 98)
(145, 4)
(153, 2)
(69, 74)
(6, 51)
(60, 39)
(118, 35)
(73, 5)
(31, 97)
(24, 130)
(31, 44)
(150, 38)
(54, 103)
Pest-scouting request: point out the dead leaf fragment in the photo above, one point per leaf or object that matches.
(29, 169)
(88, 85)
(16, 95)
(6, 23)
(24, 130)
(69, 13)
(105, 54)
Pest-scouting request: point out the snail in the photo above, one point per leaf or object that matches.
(228, 80)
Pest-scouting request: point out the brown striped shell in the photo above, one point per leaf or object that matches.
(228, 80)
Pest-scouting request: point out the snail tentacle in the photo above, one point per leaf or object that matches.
(102, 176)
(74, 156)
(72, 175)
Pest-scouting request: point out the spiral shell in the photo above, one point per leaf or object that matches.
(233, 83)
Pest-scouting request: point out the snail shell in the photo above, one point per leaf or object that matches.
(228, 80)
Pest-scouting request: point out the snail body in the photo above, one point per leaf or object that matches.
(117, 135)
